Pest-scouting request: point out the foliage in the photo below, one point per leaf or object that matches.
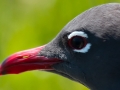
(30, 23)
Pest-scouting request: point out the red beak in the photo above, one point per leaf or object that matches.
(27, 60)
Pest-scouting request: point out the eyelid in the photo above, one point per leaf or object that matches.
(77, 33)
(83, 50)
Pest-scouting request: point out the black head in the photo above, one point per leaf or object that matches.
(96, 62)
(87, 50)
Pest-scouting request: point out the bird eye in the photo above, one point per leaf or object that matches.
(77, 42)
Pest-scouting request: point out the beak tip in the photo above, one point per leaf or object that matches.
(0, 70)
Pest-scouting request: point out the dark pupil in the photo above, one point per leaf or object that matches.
(77, 42)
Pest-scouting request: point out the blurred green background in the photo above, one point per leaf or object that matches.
(26, 24)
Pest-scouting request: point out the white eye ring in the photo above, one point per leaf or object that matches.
(81, 34)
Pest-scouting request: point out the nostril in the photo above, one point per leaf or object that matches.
(23, 57)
